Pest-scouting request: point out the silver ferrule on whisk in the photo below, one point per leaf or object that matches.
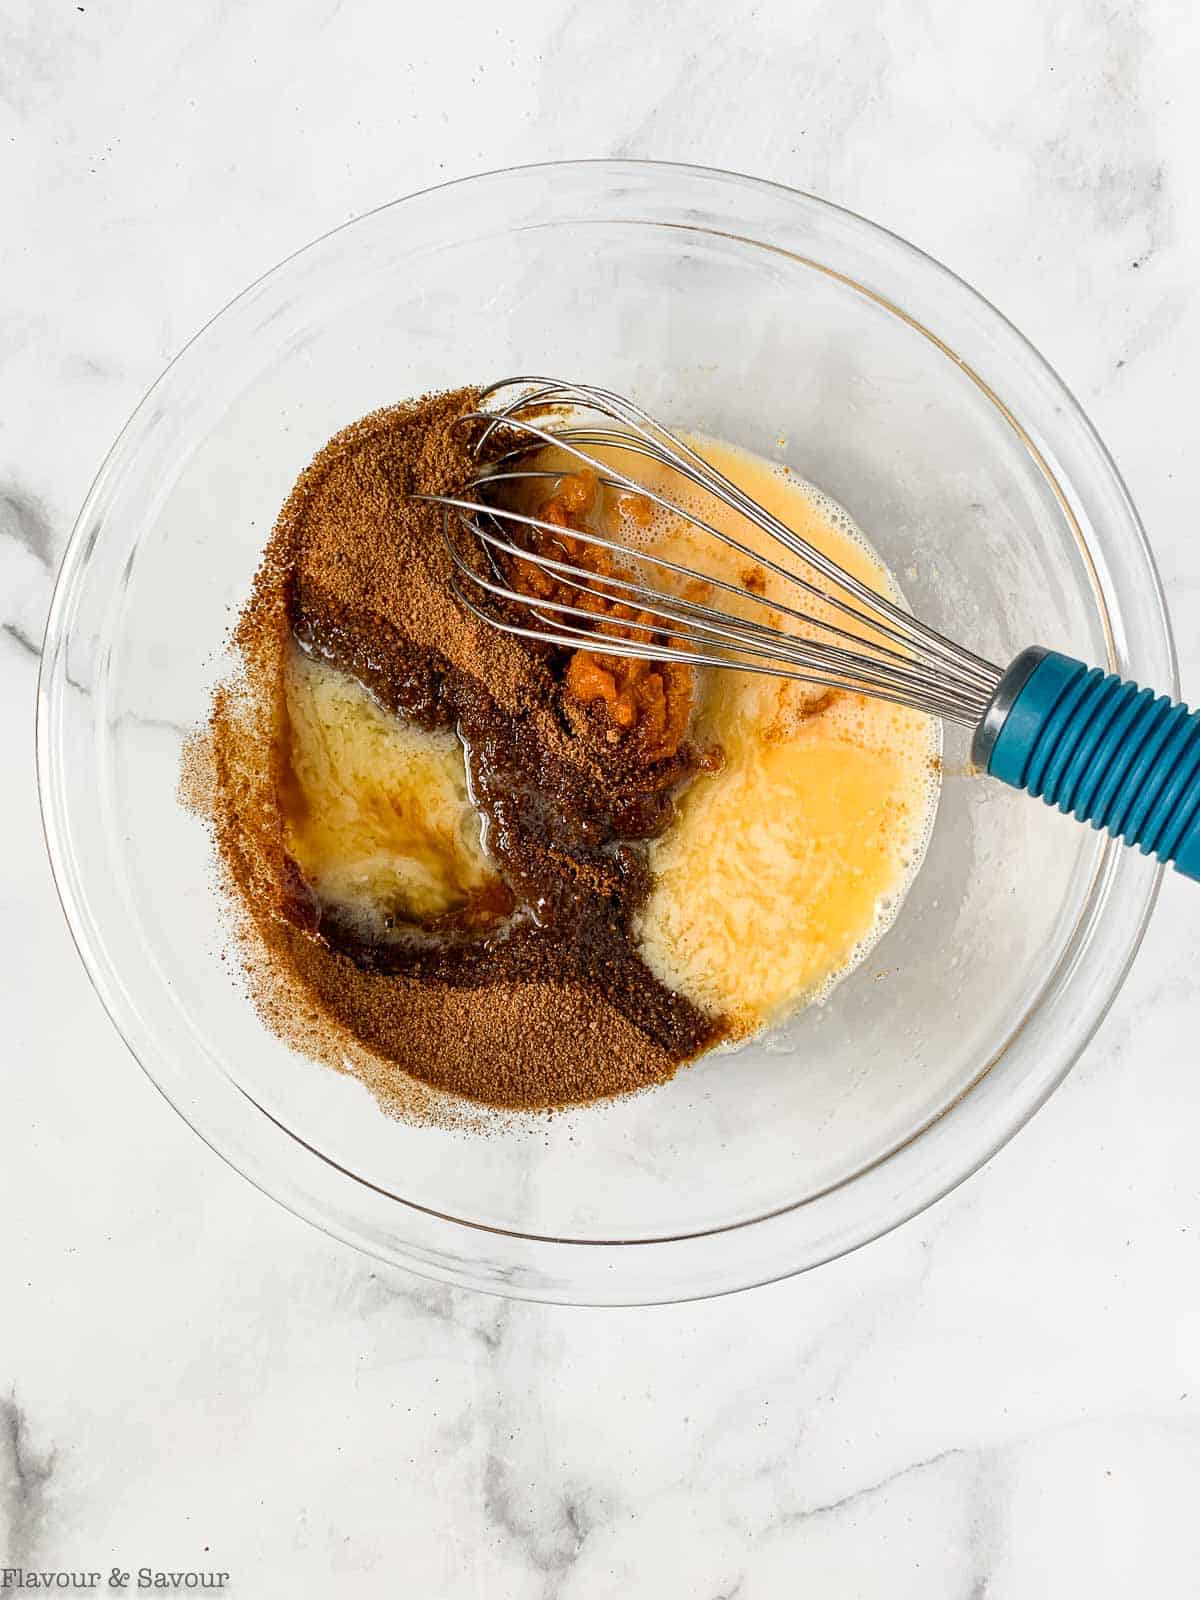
(865, 642)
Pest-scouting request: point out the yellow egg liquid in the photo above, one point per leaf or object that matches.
(782, 869)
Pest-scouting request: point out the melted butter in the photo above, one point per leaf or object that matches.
(376, 809)
(782, 869)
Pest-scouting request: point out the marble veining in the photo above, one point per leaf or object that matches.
(1001, 1399)
(24, 1487)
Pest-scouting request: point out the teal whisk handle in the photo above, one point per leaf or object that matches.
(1108, 752)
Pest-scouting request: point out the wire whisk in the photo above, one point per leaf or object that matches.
(1082, 739)
(837, 632)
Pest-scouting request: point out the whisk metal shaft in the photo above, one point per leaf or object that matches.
(863, 641)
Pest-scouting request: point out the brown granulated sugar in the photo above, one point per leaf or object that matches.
(541, 999)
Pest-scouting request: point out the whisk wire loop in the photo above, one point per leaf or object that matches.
(865, 641)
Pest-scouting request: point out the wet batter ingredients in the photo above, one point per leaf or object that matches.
(786, 866)
(377, 814)
(530, 876)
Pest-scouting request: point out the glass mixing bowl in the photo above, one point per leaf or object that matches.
(728, 306)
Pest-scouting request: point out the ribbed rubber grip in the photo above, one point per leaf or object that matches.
(1104, 750)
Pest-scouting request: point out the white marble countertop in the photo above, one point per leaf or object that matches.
(1001, 1398)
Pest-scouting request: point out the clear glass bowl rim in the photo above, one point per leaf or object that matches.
(1105, 942)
